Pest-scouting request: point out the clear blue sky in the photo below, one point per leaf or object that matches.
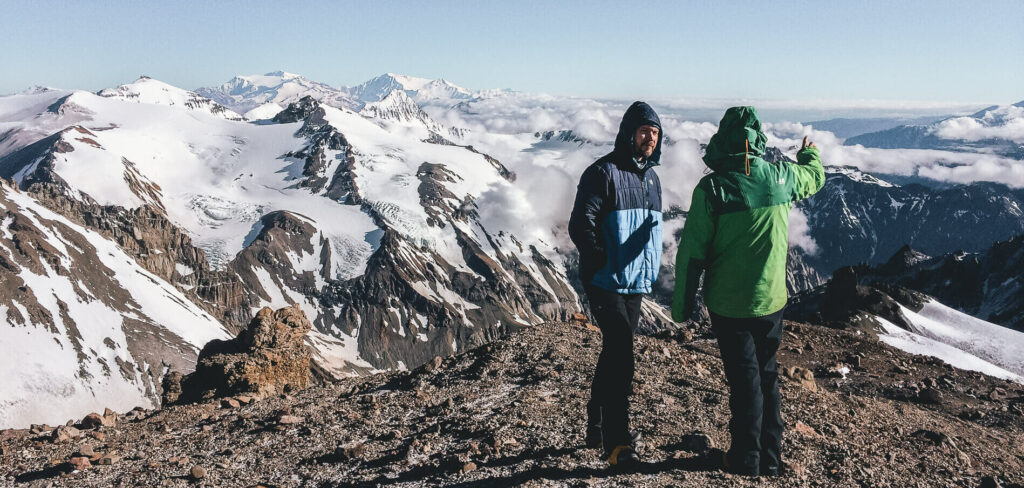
(892, 50)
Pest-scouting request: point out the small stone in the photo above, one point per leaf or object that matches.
(804, 377)
(470, 466)
(80, 462)
(109, 459)
(347, 453)
(698, 442)
(433, 364)
(937, 438)
(244, 399)
(65, 433)
(805, 430)
(290, 419)
(997, 394)
(207, 428)
(197, 472)
(795, 468)
(95, 434)
(229, 403)
(92, 421)
(85, 450)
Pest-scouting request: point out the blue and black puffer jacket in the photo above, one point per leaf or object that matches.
(616, 220)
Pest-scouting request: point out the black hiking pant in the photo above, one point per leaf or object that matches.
(617, 315)
(748, 349)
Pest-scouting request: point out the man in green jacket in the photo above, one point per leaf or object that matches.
(737, 232)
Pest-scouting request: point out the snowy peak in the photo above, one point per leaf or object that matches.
(399, 108)
(148, 90)
(853, 174)
(420, 89)
(245, 93)
(282, 74)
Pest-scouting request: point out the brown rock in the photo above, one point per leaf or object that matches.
(470, 466)
(229, 403)
(805, 430)
(197, 472)
(268, 358)
(244, 399)
(997, 394)
(290, 419)
(85, 450)
(65, 433)
(347, 453)
(433, 364)
(80, 462)
(108, 459)
(804, 377)
(92, 421)
(171, 385)
(95, 434)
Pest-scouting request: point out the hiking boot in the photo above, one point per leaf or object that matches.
(728, 467)
(623, 457)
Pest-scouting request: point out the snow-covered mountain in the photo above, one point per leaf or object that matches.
(148, 90)
(986, 284)
(373, 230)
(994, 130)
(958, 339)
(420, 89)
(932, 306)
(409, 218)
(860, 218)
(90, 321)
(245, 93)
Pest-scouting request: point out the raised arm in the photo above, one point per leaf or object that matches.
(808, 173)
(698, 231)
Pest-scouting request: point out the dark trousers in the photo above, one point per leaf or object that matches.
(617, 316)
(748, 353)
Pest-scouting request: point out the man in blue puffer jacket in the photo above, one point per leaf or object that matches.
(616, 226)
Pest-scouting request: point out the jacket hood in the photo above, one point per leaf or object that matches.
(638, 114)
(739, 136)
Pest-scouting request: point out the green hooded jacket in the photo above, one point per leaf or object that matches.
(737, 226)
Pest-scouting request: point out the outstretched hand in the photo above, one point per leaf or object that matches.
(807, 143)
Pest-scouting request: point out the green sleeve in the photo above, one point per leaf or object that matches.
(698, 231)
(809, 175)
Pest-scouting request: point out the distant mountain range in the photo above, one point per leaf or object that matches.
(143, 220)
(993, 130)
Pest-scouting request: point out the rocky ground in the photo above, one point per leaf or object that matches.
(510, 413)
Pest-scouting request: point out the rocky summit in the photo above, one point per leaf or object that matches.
(858, 413)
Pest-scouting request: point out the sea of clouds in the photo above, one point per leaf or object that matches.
(504, 124)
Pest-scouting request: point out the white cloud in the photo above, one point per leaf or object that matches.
(1002, 123)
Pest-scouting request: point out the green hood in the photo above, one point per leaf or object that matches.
(726, 151)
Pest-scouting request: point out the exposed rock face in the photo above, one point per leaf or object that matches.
(267, 358)
(75, 298)
(986, 284)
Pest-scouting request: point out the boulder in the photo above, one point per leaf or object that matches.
(268, 358)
